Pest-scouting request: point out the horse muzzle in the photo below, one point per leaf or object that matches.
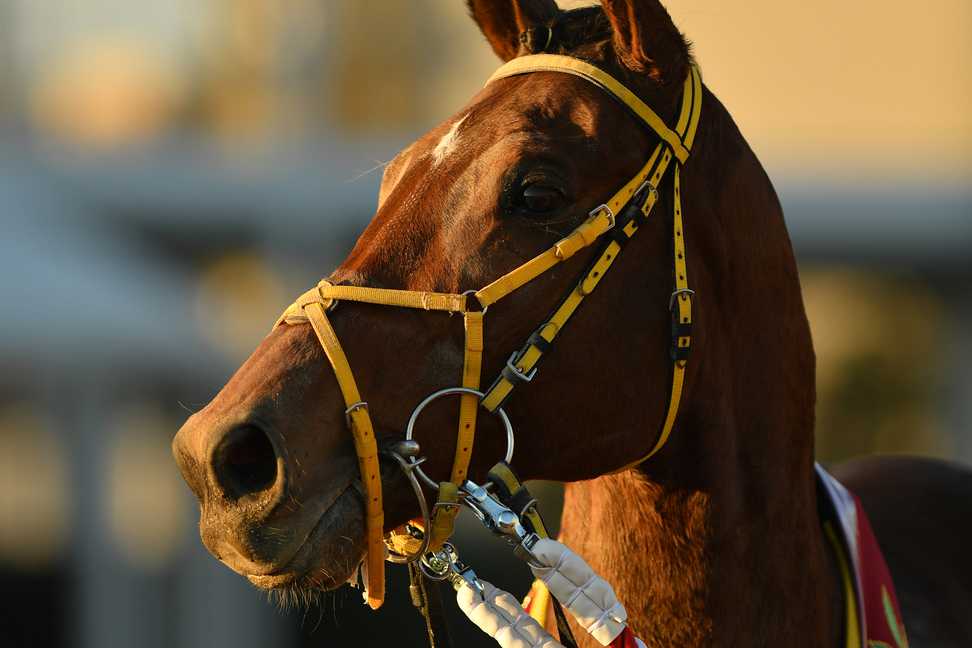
(253, 517)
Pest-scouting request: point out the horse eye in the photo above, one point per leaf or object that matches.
(540, 198)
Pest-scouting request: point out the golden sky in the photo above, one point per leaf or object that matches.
(880, 86)
(834, 89)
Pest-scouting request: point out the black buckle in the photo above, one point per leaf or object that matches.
(632, 212)
(511, 373)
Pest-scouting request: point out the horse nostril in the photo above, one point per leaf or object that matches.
(245, 462)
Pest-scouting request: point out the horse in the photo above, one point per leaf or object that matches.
(716, 539)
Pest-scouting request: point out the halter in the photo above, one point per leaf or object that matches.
(616, 221)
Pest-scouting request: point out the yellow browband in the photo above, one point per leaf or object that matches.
(620, 216)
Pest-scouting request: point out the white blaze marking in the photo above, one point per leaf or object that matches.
(448, 142)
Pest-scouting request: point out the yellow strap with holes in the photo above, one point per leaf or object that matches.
(682, 301)
(365, 446)
(403, 298)
(502, 388)
(683, 312)
(528, 359)
(443, 515)
(468, 403)
(446, 509)
(601, 220)
(570, 65)
(588, 232)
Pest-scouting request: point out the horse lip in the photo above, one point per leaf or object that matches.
(271, 581)
(292, 569)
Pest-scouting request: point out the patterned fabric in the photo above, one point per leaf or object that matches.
(878, 617)
(627, 640)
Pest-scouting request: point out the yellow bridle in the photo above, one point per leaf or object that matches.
(619, 218)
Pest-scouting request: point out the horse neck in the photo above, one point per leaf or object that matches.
(732, 560)
(716, 540)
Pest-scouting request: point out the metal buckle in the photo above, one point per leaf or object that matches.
(353, 407)
(610, 212)
(525, 377)
(647, 185)
(676, 293)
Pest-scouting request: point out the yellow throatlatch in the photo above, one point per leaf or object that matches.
(618, 219)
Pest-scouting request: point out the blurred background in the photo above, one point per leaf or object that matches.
(164, 160)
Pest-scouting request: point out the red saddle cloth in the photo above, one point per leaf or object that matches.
(873, 617)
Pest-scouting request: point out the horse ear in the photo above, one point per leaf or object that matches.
(502, 21)
(646, 40)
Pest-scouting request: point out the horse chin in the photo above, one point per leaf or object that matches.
(328, 558)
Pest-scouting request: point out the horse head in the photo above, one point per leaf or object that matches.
(517, 169)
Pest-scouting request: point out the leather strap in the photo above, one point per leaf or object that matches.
(443, 517)
(468, 404)
(365, 446)
(528, 357)
(447, 503)
(681, 305)
(584, 235)
(571, 65)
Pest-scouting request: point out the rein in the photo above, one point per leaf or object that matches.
(615, 221)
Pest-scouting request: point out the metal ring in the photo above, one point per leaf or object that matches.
(473, 293)
(410, 428)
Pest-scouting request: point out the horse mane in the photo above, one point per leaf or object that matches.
(587, 33)
(575, 28)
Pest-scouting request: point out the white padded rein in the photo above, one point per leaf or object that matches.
(587, 596)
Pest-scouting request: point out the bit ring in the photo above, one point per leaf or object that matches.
(451, 391)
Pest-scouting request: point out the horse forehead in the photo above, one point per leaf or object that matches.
(448, 142)
(547, 100)
(518, 105)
